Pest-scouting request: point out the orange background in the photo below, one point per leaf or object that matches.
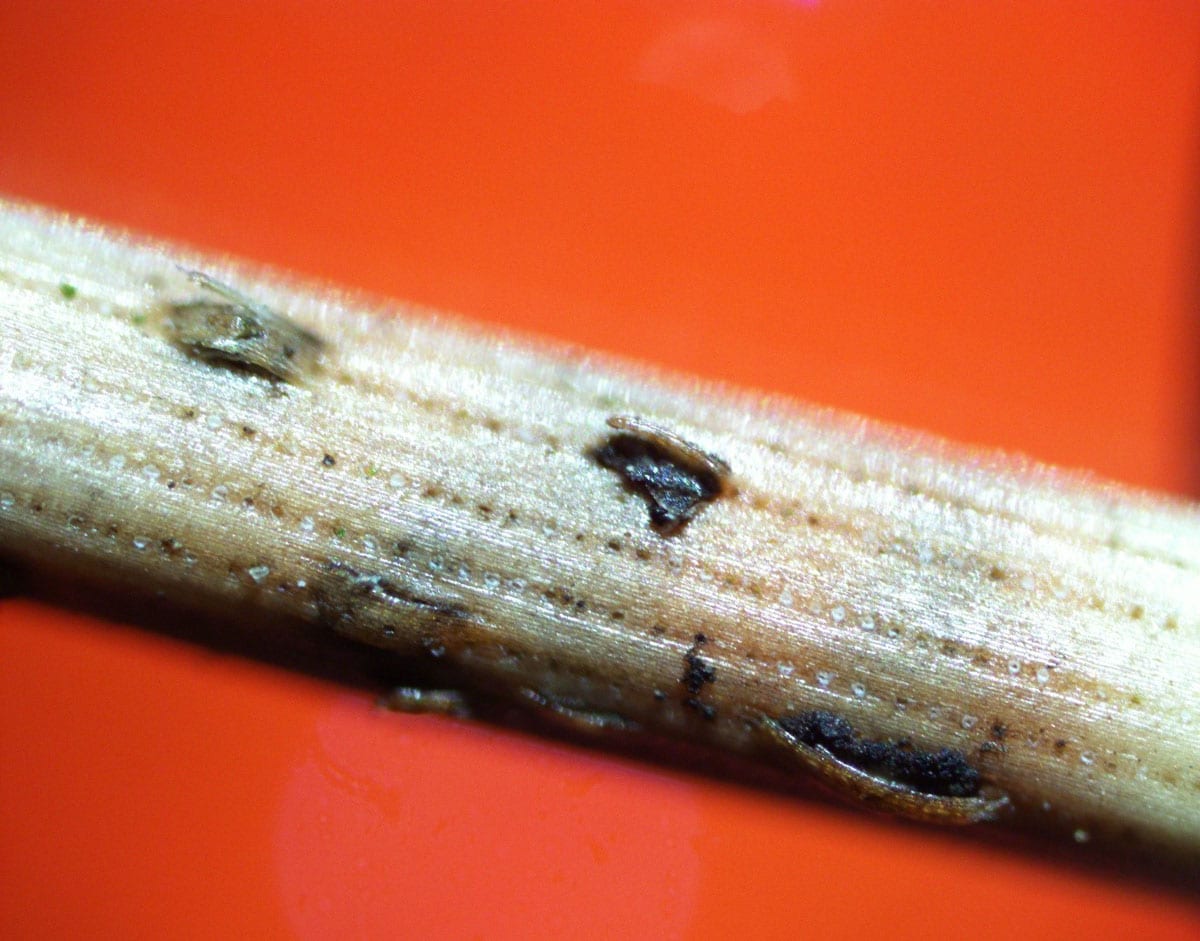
(978, 219)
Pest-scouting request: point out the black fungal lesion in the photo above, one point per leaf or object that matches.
(225, 327)
(944, 772)
(698, 673)
(933, 786)
(674, 476)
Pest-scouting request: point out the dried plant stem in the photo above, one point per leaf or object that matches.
(842, 596)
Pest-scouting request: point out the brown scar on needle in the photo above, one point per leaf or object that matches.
(419, 700)
(574, 715)
(674, 475)
(930, 786)
(569, 714)
(391, 593)
(236, 331)
(372, 607)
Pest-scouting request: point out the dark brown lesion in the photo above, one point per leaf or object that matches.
(674, 475)
(934, 786)
(225, 327)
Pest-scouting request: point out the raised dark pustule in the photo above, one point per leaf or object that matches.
(673, 489)
(697, 673)
(944, 772)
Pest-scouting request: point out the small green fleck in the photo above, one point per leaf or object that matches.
(340, 533)
(138, 319)
(372, 470)
(67, 290)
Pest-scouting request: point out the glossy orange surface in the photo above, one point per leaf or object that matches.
(977, 219)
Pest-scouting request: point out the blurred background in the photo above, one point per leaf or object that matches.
(981, 220)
